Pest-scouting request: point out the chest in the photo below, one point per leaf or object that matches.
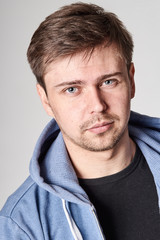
(127, 203)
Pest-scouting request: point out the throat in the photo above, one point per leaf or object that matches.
(90, 165)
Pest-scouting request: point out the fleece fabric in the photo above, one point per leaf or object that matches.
(50, 204)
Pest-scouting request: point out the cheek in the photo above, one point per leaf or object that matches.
(67, 114)
(121, 101)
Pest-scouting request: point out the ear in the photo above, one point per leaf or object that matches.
(44, 100)
(131, 78)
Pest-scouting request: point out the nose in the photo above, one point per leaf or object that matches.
(96, 101)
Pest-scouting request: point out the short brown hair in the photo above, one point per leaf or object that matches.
(76, 28)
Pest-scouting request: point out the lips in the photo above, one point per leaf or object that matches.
(100, 127)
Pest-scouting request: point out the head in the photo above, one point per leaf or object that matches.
(76, 28)
(81, 57)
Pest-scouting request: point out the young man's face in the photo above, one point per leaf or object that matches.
(90, 98)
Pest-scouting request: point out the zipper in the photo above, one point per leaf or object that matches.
(99, 227)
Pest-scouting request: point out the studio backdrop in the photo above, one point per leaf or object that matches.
(22, 117)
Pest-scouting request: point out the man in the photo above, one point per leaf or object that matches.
(91, 176)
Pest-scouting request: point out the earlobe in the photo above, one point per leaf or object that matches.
(132, 82)
(44, 99)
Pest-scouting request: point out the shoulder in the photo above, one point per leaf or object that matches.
(25, 210)
(27, 199)
(10, 224)
(16, 197)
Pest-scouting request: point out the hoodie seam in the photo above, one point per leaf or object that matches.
(17, 225)
(19, 199)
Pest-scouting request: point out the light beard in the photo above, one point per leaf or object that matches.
(99, 142)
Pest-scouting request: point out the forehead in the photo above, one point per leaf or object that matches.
(108, 58)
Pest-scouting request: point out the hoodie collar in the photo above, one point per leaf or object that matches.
(51, 167)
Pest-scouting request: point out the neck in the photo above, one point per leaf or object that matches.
(88, 164)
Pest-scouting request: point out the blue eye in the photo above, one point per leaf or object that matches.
(71, 90)
(108, 82)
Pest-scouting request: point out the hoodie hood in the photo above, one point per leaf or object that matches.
(52, 170)
(145, 131)
(53, 204)
(51, 167)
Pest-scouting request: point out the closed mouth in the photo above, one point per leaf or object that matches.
(100, 127)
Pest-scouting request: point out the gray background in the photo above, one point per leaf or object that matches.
(21, 114)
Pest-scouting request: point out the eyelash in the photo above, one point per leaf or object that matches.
(109, 81)
(67, 90)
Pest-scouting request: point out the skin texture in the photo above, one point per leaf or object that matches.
(90, 100)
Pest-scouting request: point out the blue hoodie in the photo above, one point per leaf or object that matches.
(50, 204)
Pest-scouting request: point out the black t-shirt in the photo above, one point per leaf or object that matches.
(126, 202)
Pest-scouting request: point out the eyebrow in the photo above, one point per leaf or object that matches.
(76, 82)
(79, 82)
(105, 76)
